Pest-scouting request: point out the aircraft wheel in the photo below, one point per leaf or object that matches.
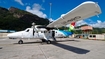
(43, 40)
(48, 42)
(20, 42)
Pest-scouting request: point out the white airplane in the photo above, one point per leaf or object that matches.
(85, 10)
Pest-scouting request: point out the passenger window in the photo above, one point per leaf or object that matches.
(90, 35)
(36, 31)
(41, 31)
(45, 31)
(94, 36)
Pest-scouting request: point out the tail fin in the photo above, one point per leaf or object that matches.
(71, 28)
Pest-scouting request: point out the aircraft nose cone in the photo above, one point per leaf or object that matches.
(9, 35)
(15, 35)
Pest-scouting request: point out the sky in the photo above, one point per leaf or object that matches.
(58, 7)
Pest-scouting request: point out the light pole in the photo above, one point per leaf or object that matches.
(50, 10)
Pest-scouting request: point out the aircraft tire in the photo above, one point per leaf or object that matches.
(48, 42)
(20, 42)
(43, 40)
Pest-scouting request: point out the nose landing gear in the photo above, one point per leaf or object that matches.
(20, 42)
(48, 42)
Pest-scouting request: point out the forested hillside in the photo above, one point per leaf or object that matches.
(16, 19)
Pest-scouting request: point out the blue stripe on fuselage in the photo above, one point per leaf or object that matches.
(66, 33)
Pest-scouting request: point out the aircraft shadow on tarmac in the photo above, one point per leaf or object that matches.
(67, 40)
(73, 49)
(0, 47)
(67, 47)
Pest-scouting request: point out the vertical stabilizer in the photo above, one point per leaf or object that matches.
(71, 28)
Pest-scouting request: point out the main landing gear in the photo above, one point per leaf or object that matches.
(20, 42)
(47, 41)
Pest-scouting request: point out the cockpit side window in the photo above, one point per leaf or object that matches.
(27, 30)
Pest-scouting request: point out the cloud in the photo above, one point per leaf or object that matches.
(20, 2)
(36, 9)
(63, 15)
(99, 21)
(78, 23)
(99, 24)
(81, 22)
(51, 20)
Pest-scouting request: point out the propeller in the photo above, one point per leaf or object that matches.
(33, 32)
(33, 26)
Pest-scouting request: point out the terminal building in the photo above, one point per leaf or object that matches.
(86, 29)
(87, 34)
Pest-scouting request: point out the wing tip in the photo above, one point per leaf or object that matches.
(89, 2)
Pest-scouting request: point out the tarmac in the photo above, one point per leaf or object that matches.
(65, 48)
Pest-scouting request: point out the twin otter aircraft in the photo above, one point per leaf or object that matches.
(85, 10)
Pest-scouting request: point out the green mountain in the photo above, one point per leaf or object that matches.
(16, 19)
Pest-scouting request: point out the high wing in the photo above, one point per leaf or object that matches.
(85, 10)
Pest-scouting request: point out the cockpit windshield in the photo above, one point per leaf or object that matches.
(27, 30)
